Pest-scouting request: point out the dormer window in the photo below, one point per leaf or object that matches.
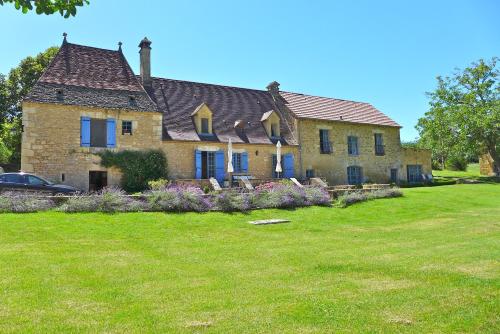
(271, 122)
(274, 130)
(204, 126)
(202, 119)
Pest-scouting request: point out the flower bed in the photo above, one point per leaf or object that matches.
(172, 198)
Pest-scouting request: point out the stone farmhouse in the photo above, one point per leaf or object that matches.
(89, 100)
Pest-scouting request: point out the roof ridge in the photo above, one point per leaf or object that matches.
(325, 97)
(91, 47)
(212, 84)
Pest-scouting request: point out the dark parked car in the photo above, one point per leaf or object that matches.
(30, 182)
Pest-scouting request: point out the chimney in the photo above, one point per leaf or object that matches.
(145, 53)
(273, 88)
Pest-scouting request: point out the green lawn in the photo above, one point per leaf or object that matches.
(426, 262)
(471, 172)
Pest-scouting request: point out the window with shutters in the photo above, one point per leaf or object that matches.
(237, 165)
(98, 132)
(354, 175)
(379, 144)
(325, 145)
(352, 145)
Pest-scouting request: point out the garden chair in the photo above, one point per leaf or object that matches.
(297, 183)
(215, 184)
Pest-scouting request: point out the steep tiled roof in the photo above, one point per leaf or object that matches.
(315, 107)
(178, 99)
(92, 77)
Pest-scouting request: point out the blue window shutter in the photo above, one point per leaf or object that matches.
(85, 131)
(288, 165)
(197, 164)
(219, 166)
(244, 162)
(111, 133)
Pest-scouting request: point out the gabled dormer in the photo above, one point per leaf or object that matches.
(202, 118)
(271, 122)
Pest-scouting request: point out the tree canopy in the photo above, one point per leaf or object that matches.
(464, 116)
(13, 89)
(66, 8)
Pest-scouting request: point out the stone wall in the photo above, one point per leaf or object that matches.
(333, 166)
(486, 164)
(417, 156)
(51, 145)
(51, 141)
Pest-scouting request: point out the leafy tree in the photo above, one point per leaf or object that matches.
(464, 116)
(66, 8)
(13, 89)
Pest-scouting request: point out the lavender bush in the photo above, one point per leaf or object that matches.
(178, 199)
(108, 200)
(18, 202)
(317, 196)
(358, 196)
(230, 201)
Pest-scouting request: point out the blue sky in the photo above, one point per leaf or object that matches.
(387, 53)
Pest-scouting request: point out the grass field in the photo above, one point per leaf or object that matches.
(472, 172)
(426, 262)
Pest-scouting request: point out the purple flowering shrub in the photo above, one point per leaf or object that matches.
(230, 201)
(19, 202)
(317, 196)
(178, 198)
(108, 200)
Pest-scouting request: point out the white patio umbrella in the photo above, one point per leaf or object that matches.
(278, 158)
(230, 168)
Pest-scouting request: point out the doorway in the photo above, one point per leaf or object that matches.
(97, 180)
(207, 164)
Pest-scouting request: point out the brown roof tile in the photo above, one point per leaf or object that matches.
(325, 108)
(178, 99)
(93, 77)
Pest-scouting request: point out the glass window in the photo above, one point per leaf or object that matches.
(354, 175)
(237, 162)
(210, 164)
(13, 178)
(352, 145)
(379, 144)
(35, 181)
(309, 173)
(324, 142)
(204, 126)
(126, 127)
(414, 173)
(394, 175)
(274, 130)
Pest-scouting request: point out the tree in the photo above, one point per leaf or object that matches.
(13, 89)
(66, 8)
(464, 115)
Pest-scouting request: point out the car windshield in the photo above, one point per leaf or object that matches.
(37, 180)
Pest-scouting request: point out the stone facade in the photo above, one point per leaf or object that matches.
(51, 145)
(333, 166)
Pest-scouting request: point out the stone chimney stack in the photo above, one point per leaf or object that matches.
(274, 88)
(145, 53)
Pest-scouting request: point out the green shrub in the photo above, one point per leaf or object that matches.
(137, 167)
(158, 184)
(359, 196)
(457, 163)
